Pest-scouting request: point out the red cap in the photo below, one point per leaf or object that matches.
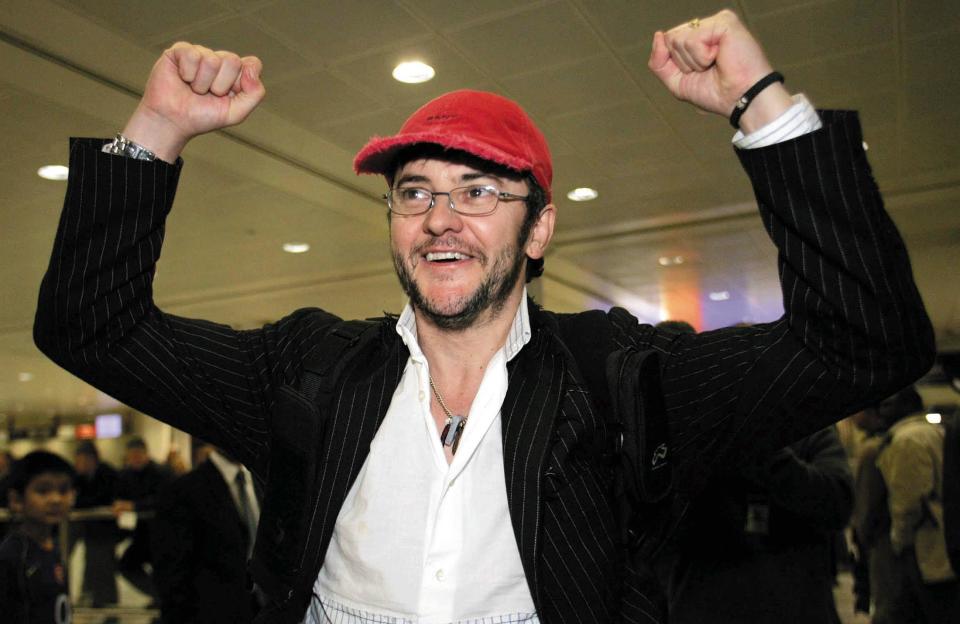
(483, 124)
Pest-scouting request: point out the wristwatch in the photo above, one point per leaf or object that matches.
(122, 146)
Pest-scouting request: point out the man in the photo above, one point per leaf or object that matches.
(911, 462)
(759, 546)
(137, 486)
(96, 486)
(459, 470)
(202, 536)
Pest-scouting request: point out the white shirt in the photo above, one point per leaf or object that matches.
(420, 541)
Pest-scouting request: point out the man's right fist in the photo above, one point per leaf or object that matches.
(192, 90)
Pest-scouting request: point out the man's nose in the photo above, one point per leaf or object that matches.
(442, 216)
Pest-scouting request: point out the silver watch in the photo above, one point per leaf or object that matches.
(122, 146)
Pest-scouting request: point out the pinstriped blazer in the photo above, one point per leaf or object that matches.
(854, 330)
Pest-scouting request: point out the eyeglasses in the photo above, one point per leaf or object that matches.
(475, 201)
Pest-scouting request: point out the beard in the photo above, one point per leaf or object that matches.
(491, 294)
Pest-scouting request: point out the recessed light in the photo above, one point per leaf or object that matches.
(25, 376)
(670, 260)
(719, 295)
(933, 418)
(583, 193)
(413, 72)
(53, 172)
(296, 247)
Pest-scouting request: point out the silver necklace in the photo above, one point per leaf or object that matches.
(453, 429)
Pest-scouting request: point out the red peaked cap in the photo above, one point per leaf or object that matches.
(483, 124)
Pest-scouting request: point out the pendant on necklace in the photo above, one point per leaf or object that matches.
(451, 432)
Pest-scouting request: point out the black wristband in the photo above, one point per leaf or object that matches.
(751, 93)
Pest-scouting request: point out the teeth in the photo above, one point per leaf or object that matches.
(445, 255)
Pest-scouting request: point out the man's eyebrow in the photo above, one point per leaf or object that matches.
(408, 178)
(413, 178)
(470, 177)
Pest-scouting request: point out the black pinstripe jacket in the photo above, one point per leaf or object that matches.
(854, 330)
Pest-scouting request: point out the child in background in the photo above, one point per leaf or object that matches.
(33, 579)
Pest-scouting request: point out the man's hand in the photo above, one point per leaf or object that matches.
(192, 90)
(711, 63)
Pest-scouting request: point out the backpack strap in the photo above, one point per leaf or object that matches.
(625, 381)
(325, 366)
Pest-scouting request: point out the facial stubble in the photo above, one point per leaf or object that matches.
(491, 294)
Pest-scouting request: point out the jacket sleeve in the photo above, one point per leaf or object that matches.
(854, 328)
(811, 479)
(96, 315)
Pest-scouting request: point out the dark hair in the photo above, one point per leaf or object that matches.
(536, 196)
(900, 405)
(34, 464)
(87, 447)
(136, 442)
(677, 326)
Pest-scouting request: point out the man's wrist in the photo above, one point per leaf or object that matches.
(156, 134)
(765, 107)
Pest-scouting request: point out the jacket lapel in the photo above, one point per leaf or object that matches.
(356, 412)
(528, 414)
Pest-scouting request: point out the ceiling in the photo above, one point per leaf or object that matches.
(668, 181)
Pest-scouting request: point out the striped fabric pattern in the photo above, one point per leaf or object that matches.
(331, 612)
(854, 331)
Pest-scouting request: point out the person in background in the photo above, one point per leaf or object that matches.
(175, 463)
(680, 327)
(96, 486)
(33, 577)
(875, 580)
(137, 487)
(911, 463)
(759, 546)
(203, 535)
(6, 462)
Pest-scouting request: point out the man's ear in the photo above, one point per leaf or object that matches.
(541, 233)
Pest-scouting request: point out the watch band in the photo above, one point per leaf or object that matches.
(122, 146)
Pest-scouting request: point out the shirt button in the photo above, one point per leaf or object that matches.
(440, 575)
(422, 395)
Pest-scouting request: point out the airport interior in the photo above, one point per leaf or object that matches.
(654, 213)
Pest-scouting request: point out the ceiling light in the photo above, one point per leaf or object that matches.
(720, 295)
(296, 247)
(25, 376)
(670, 260)
(584, 193)
(413, 72)
(933, 418)
(53, 172)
